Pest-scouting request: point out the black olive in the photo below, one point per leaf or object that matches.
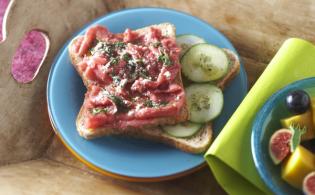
(298, 102)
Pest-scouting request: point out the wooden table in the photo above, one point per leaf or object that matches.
(35, 162)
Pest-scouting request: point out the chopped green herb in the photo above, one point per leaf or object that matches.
(132, 74)
(132, 68)
(157, 44)
(163, 103)
(114, 61)
(95, 111)
(151, 104)
(136, 69)
(144, 73)
(120, 45)
(164, 58)
(140, 62)
(109, 50)
(200, 102)
(106, 48)
(126, 57)
(121, 106)
(206, 62)
(119, 102)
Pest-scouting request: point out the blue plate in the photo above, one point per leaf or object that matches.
(127, 157)
(265, 124)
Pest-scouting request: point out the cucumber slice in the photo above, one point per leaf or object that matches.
(186, 129)
(204, 62)
(186, 41)
(204, 101)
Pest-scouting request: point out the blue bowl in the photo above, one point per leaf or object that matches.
(267, 121)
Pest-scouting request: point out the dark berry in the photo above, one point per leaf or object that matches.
(298, 102)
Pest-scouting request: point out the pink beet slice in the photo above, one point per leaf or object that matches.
(29, 56)
(3, 7)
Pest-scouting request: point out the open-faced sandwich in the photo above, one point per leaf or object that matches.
(135, 88)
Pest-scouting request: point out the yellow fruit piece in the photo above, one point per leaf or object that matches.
(297, 166)
(303, 120)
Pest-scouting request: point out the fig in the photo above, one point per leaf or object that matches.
(309, 184)
(279, 145)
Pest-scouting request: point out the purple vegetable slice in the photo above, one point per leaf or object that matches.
(29, 56)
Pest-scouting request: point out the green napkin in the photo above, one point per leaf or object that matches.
(230, 156)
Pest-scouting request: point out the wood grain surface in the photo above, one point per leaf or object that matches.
(35, 162)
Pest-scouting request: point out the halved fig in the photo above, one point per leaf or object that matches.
(279, 145)
(29, 56)
(309, 184)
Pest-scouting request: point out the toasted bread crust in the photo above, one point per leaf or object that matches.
(233, 71)
(198, 143)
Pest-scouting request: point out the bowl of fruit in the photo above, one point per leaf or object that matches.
(283, 139)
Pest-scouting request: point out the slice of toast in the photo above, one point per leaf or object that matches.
(168, 30)
(196, 144)
(201, 141)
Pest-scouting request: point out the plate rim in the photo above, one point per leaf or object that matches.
(242, 74)
(120, 176)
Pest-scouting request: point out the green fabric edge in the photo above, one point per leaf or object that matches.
(226, 176)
